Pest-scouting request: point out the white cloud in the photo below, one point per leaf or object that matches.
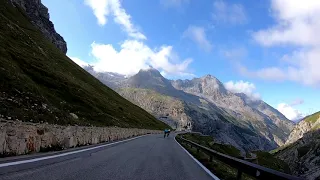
(78, 61)
(229, 13)
(198, 35)
(104, 8)
(242, 87)
(305, 70)
(298, 25)
(174, 3)
(135, 55)
(288, 111)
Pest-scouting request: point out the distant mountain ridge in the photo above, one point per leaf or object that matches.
(204, 104)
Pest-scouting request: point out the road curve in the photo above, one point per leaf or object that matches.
(148, 157)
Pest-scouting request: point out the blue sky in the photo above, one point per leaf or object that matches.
(266, 49)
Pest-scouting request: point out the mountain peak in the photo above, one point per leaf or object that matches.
(150, 71)
(208, 76)
(149, 78)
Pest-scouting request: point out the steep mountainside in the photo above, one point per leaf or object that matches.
(203, 104)
(279, 119)
(303, 156)
(254, 112)
(308, 124)
(167, 109)
(40, 84)
(302, 149)
(112, 80)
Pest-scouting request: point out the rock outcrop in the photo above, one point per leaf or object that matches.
(309, 123)
(18, 138)
(303, 156)
(302, 149)
(39, 16)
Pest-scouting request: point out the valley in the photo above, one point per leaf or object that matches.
(204, 105)
(48, 102)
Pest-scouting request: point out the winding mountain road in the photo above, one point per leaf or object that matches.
(147, 157)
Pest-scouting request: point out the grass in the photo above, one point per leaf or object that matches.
(218, 168)
(227, 172)
(268, 160)
(303, 150)
(208, 142)
(41, 84)
(149, 93)
(312, 118)
(281, 148)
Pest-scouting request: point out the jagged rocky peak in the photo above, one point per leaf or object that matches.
(209, 80)
(149, 78)
(151, 72)
(207, 85)
(39, 16)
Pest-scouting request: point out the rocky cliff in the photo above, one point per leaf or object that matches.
(302, 149)
(303, 156)
(39, 16)
(253, 112)
(308, 124)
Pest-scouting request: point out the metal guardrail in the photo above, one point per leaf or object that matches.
(254, 170)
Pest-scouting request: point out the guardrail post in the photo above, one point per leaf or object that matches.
(239, 174)
(210, 159)
(197, 150)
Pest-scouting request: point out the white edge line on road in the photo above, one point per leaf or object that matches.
(63, 154)
(199, 163)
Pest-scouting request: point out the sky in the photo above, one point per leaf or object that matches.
(267, 49)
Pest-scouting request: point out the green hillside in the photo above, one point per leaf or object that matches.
(38, 83)
(312, 118)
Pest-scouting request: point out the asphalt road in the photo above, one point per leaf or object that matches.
(148, 157)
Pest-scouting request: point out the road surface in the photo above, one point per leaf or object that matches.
(147, 157)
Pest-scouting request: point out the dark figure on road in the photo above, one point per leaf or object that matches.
(166, 132)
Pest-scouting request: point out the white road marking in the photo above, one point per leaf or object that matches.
(61, 155)
(199, 163)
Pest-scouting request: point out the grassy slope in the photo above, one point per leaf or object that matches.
(208, 142)
(268, 160)
(263, 158)
(39, 83)
(312, 118)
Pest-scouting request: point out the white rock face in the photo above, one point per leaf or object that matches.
(18, 138)
(301, 128)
